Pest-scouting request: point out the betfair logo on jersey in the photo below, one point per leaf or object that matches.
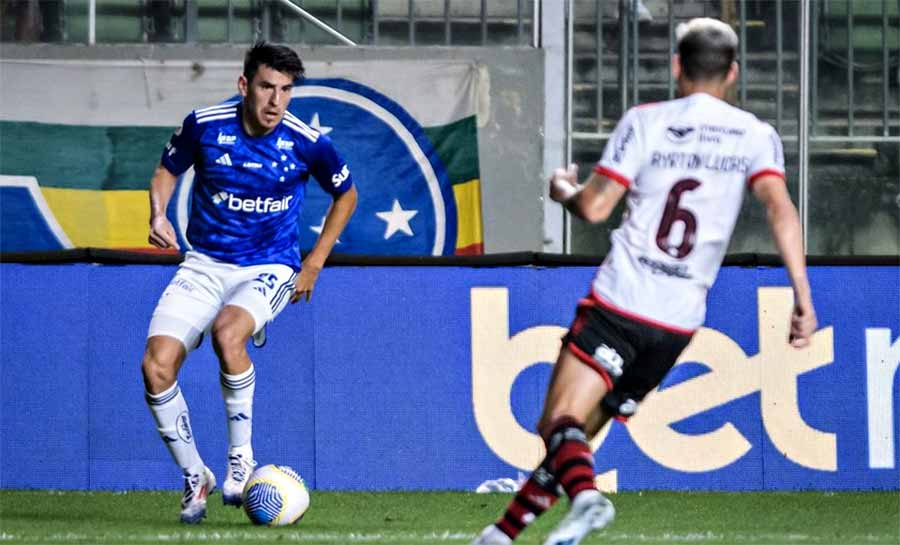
(256, 206)
(338, 179)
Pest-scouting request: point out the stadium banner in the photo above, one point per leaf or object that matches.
(433, 378)
(76, 175)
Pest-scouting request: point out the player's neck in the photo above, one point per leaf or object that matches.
(251, 128)
(715, 89)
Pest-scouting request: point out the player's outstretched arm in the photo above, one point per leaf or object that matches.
(592, 201)
(784, 222)
(162, 185)
(335, 221)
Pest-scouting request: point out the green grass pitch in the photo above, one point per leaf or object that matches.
(413, 518)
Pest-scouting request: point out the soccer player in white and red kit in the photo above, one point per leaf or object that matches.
(684, 165)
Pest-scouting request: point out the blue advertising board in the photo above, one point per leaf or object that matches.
(433, 378)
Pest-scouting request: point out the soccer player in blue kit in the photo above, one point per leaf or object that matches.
(252, 160)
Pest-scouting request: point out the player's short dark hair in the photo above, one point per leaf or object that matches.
(277, 57)
(706, 49)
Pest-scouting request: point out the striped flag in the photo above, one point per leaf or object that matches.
(77, 176)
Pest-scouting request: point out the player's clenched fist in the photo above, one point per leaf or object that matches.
(564, 183)
(162, 234)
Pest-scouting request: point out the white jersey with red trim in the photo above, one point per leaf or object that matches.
(686, 164)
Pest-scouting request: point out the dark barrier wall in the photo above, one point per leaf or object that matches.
(432, 378)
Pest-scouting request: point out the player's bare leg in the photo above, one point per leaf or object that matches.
(231, 330)
(163, 358)
(575, 391)
(573, 399)
(595, 422)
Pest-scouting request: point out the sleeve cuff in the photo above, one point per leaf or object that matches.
(764, 172)
(170, 166)
(612, 175)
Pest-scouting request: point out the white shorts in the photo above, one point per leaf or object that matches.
(202, 286)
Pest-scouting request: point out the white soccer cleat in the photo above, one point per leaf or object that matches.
(492, 536)
(197, 488)
(590, 510)
(240, 466)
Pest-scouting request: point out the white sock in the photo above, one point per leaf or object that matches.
(237, 391)
(174, 425)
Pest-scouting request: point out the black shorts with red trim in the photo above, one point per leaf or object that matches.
(631, 356)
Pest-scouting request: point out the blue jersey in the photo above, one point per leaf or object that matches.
(248, 191)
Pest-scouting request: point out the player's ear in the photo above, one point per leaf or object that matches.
(676, 66)
(732, 75)
(242, 85)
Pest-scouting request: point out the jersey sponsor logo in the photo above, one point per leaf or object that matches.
(628, 407)
(669, 269)
(251, 164)
(284, 144)
(680, 134)
(621, 143)
(713, 134)
(340, 177)
(226, 139)
(257, 205)
(777, 150)
(225, 159)
(609, 359)
(727, 131)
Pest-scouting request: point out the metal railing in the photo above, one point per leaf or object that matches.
(318, 23)
(514, 14)
(347, 22)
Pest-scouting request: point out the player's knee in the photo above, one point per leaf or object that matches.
(552, 421)
(158, 368)
(228, 339)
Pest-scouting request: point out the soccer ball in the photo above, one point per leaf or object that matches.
(275, 496)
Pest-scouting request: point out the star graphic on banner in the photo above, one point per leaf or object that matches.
(318, 126)
(317, 229)
(397, 220)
